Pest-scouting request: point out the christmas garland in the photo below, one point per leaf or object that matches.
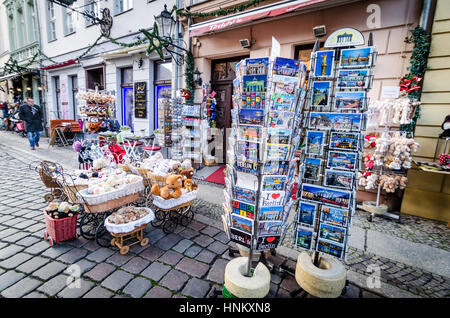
(412, 82)
(189, 74)
(219, 12)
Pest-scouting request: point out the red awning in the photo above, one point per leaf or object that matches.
(259, 13)
(53, 66)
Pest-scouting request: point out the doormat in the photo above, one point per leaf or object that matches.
(217, 176)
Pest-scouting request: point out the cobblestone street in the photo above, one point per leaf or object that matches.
(187, 263)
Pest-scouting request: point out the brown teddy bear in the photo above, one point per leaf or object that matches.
(189, 185)
(188, 173)
(172, 189)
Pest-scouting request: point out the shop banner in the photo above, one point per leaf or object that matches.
(140, 100)
(64, 91)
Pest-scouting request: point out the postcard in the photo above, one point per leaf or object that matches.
(304, 238)
(250, 133)
(353, 78)
(286, 67)
(277, 152)
(244, 209)
(338, 121)
(253, 100)
(314, 142)
(334, 216)
(349, 100)
(267, 213)
(241, 237)
(344, 141)
(283, 102)
(342, 160)
(257, 65)
(269, 228)
(306, 213)
(242, 223)
(280, 119)
(244, 195)
(356, 57)
(330, 248)
(273, 183)
(324, 64)
(275, 167)
(278, 135)
(255, 83)
(267, 242)
(339, 179)
(323, 195)
(284, 84)
(250, 116)
(272, 198)
(246, 167)
(247, 151)
(312, 169)
(321, 92)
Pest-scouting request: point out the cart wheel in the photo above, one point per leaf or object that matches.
(88, 226)
(144, 242)
(113, 242)
(48, 197)
(50, 241)
(45, 235)
(57, 192)
(102, 236)
(160, 217)
(187, 217)
(169, 226)
(124, 250)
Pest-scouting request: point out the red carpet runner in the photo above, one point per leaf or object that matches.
(217, 176)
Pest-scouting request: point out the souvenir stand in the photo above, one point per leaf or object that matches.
(96, 109)
(268, 100)
(339, 80)
(387, 150)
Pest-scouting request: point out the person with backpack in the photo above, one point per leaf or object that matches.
(31, 115)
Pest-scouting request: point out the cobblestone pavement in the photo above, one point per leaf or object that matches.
(187, 263)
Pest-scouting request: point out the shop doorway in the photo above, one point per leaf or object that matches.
(126, 75)
(223, 74)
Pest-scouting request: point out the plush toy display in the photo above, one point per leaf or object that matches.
(93, 124)
(172, 189)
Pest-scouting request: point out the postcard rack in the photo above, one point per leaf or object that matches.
(192, 132)
(334, 118)
(260, 183)
(175, 126)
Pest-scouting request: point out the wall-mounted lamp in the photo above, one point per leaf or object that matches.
(197, 79)
(39, 88)
(140, 62)
(19, 89)
(28, 88)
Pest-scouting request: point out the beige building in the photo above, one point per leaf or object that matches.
(4, 51)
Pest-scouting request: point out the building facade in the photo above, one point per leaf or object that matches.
(4, 53)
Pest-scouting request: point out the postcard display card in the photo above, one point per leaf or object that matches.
(192, 132)
(268, 100)
(174, 127)
(340, 79)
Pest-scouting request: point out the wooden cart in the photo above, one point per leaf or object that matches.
(119, 239)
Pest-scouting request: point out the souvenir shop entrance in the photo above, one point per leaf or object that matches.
(223, 74)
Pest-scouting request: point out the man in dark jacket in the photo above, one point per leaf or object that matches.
(31, 114)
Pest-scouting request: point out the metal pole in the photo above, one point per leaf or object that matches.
(255, 224)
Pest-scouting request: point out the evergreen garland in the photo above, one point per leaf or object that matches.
(417, 69)
(219, 12)
(189, 74)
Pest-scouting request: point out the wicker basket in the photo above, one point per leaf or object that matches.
(71, 192)
(60, 230)
(157, 179)
(47, 179)
(125, 167)
(111, 204)
(144, 174)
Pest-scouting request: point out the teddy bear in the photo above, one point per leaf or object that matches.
(188, 173)
(172, 189)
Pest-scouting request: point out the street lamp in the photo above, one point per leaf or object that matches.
(197, 78)
(166, 24)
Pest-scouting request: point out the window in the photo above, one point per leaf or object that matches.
(95, 78)
(51, 21)
(93, 8)
(74, 82)
(123, 5)
(57, 96)
(69, 21)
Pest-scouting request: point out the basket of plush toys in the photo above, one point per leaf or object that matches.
(177, 192)
(60, 222)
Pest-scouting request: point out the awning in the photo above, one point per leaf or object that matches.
(124, 52)
(3, 78)
(272, 10)
(58, 65)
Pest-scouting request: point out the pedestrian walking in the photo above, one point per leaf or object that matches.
(31, 114)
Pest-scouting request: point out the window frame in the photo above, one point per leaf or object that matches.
(51, 20)
(117, 11)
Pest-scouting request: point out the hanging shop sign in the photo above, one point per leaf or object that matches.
(140, 99)
(345, 37)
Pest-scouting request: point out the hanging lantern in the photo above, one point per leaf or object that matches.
(166, 23)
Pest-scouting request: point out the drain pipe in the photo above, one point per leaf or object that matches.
(427, 16)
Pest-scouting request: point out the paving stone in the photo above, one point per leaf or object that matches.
(168, 242)
(76, 292)
(182, 245)
(13, 221)
(21, 288)
(283, 293)
(196, 226)
(289, 283)
(28, 241)
(10, 251)
(171, 258)
(24, 224)
(98, 292)
(155, 235)
(15, 260)
(99, 272)
(37, 248)
(217, 271)
(178, 296)
(275, 278)
(352, 291)
(84, 265)
(203, 240)
(189, 233)
(100, 255)
(156, 271)
(91, 246)
(35, 227)
(72, 256)
(117, 280)
(50, 270)
(152, 253)
(54, 285)
(174, 280)
(78, 242)
(56, 251)
(119, 259)
(196, 288)
(158, 292)
(193, 251)
(366, 294)
(9, 278)
(15, 237)
(135, 265)
(192, 267)
(210, 230)
(218, 247)
(35, 295)
(138, 287)
(206, 256)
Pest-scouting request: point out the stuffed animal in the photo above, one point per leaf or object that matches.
(188, 184)
(188, 173)
(93, 124)
(172, 189)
